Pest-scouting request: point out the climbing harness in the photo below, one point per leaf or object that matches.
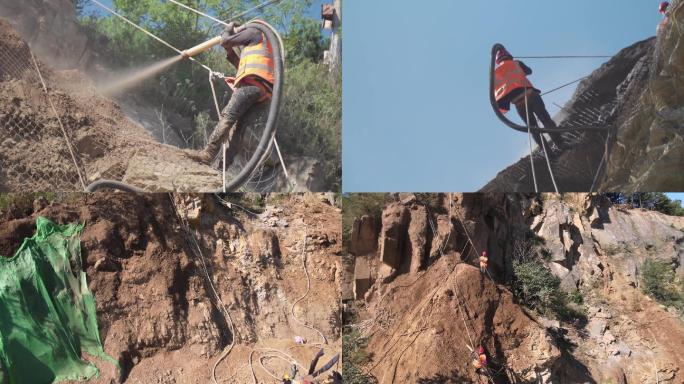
(268, 135)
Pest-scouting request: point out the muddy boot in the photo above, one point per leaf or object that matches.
(218, 137)
(201, 156)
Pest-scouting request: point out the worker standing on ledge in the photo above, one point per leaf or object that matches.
(512, 86)
(664, 6)
(252, 84)
(484, 261)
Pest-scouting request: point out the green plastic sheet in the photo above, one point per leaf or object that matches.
(47, 312)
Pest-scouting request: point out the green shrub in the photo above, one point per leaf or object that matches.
(310, 122)
(537, 288)
(658, 281)
(355, 356)
(576, 297)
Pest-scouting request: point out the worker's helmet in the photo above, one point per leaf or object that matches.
(663, 7)
(502, 54)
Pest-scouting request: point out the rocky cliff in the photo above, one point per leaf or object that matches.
(637, 95)
(423, 304)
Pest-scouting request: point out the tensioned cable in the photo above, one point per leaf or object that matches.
(565, 57)
(262, 5)
(529, 139)
(159, 39)
(564, 85)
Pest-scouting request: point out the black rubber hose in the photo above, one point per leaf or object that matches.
(111, 184)
(274, 109)
(518, 127)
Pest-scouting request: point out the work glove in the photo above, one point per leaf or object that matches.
(228, 31)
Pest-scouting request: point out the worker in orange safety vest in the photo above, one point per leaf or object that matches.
(512, 86)
(484, 262)
(252, 84)
(479, 359)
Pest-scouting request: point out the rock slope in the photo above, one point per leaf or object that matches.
(422, 302)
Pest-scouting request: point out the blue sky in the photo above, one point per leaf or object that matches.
(677, 196)
(416, 108)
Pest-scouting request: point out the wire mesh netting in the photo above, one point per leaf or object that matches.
(87, 137)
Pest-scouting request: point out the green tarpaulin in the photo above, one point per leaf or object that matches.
(47, 312)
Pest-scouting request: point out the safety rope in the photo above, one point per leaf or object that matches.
(529, 139)
(308, 289)
(212, 73)
(292, 183)
(546, 154)
(61, 126)
(604, 159)
(564, 85)
(565, 57)
(186, 228)
(262, 5)
(148, 33)
(458, 291)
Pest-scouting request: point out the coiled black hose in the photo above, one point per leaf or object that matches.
(274, 110)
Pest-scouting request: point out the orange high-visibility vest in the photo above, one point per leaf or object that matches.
(257, 60)
(509, 76)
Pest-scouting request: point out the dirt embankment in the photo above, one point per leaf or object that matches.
(157, 312)
(104, 142)
(423, 304)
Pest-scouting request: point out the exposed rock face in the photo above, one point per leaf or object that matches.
(593, 247)
(395, 220)
(428, 338)
(157, 313)
(417, 238)
(364, 236)
(637, 95)
(648, 154)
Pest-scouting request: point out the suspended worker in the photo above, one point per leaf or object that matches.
(664, 6)
(479, 359)
(484, 261)
(512, 85)
(252, 84)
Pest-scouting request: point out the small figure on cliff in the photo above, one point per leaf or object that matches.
(479, 359)
(664, 6)
(512, 86)
(484, 261)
